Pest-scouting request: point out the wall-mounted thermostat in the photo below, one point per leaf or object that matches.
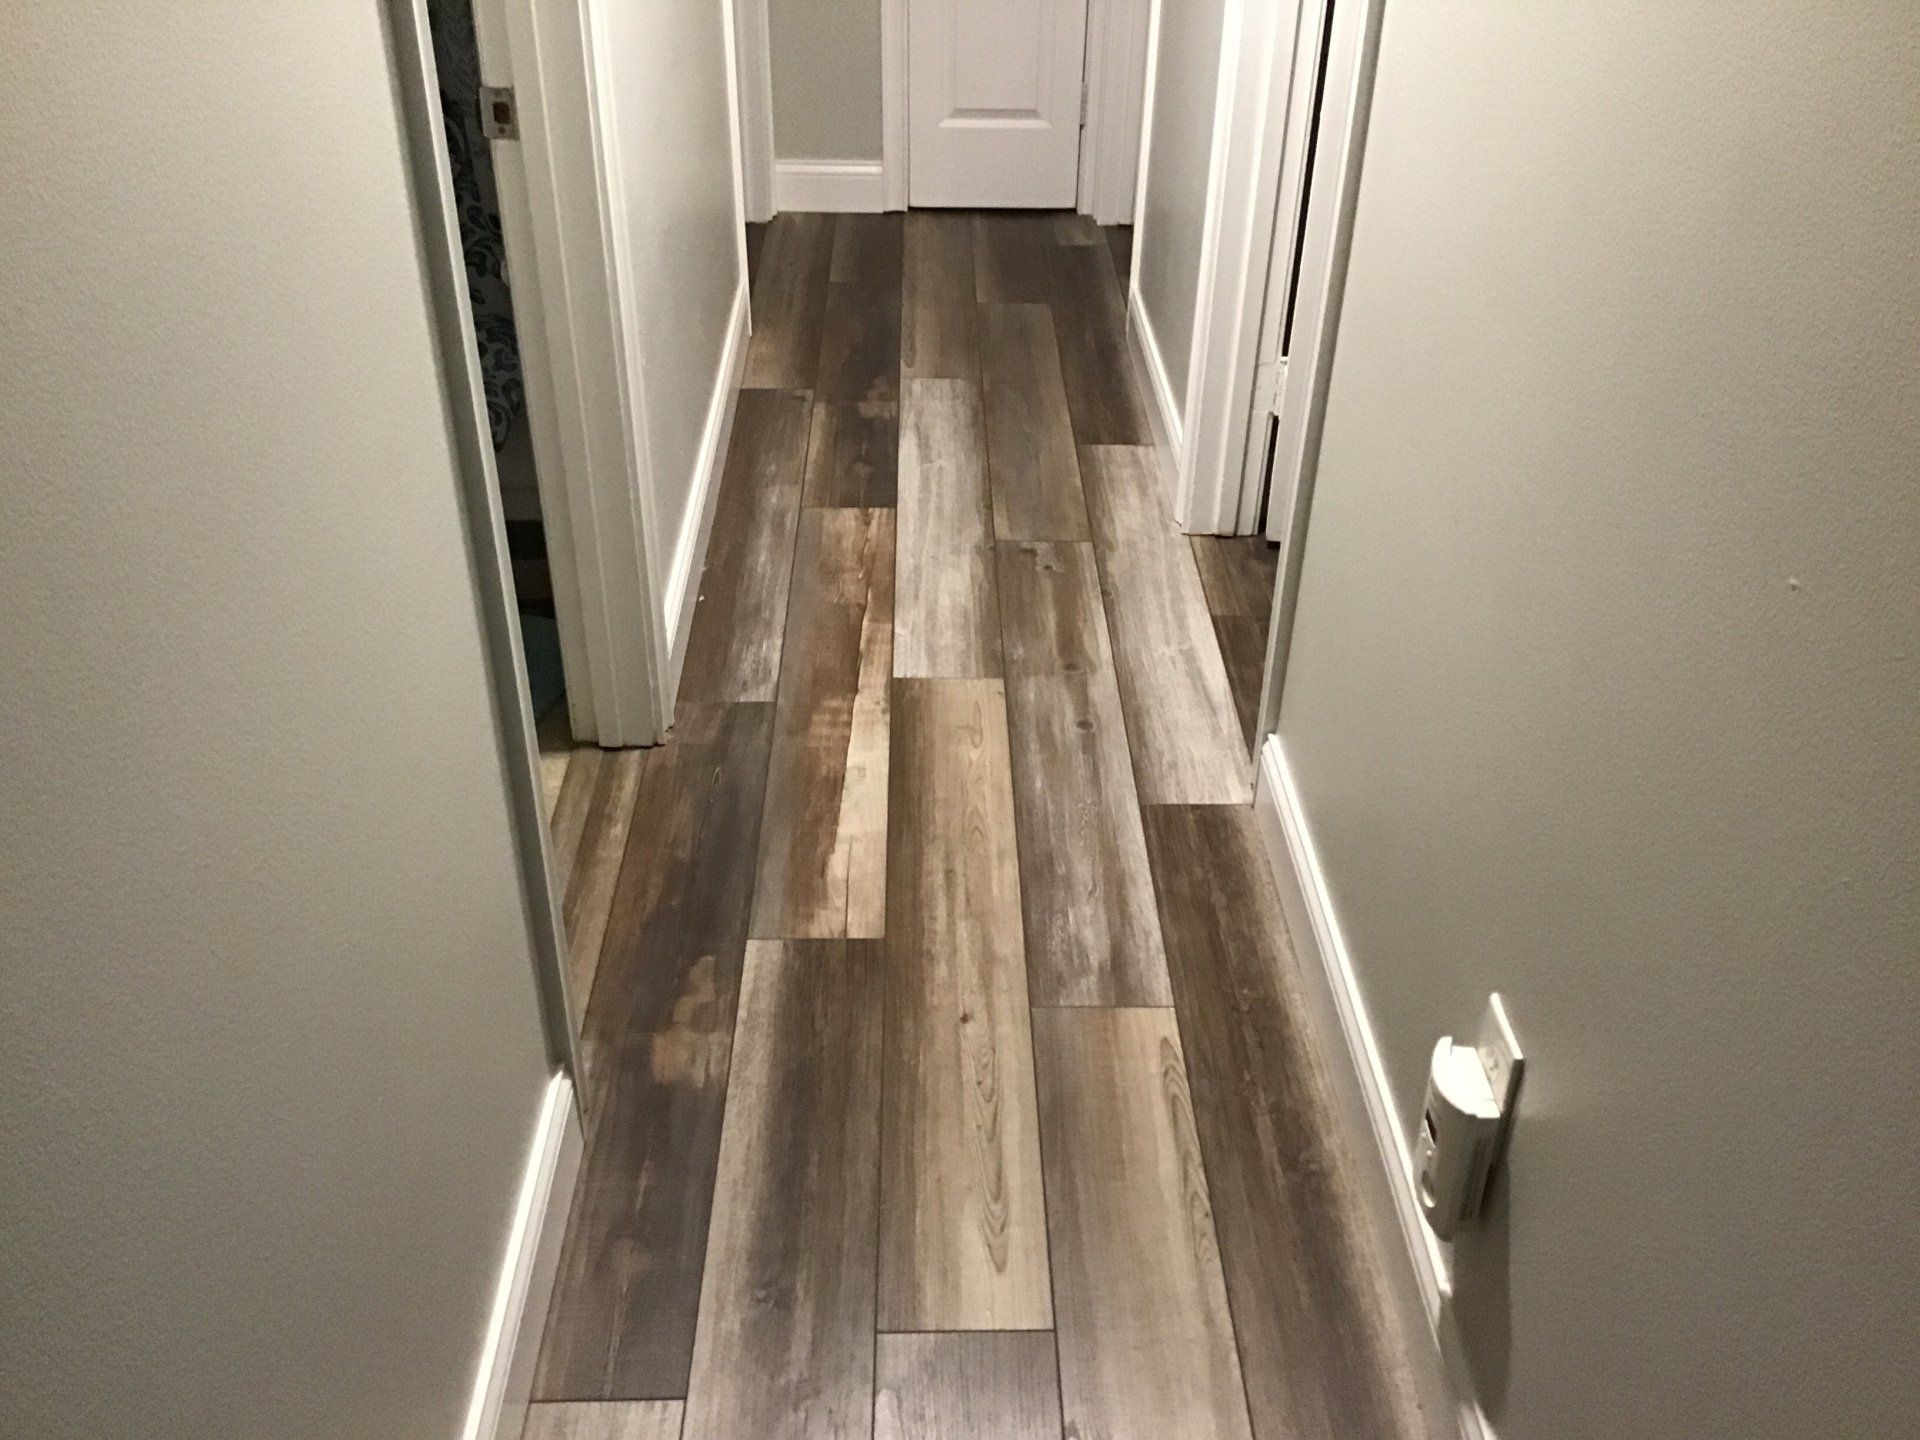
(1471, 1090)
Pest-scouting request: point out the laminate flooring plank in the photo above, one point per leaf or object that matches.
(733, 649)
(1072, 228)
(1035, 473)
(1090, 319)
(947, 616)
(587, 899)
(1181, 721)
(604, 1420)
(938, 319)
(1011, 254)
(1238, 572)
(860, 343)
(1146, 1342)
(1092, 933)
(789, 302)
(567, 820)
(984, 1385)
(657, 1037)
(756, 243)
(962, 1224)
(853, 453)
(1320, 1358)
(1120, 246)
(823, 840)
(867, 249)
(786, 1337)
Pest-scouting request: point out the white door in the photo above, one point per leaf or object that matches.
(993, 94)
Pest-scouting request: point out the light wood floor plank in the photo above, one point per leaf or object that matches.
(989, 1385)
(1030, 456)
(733, 649)
(1146, 1343)
(947, 621)
(1093, 937)
(604, 1420)
(1308, 1304)
(786, 1332)
(1185, 732)
(789, 302)
(962, 1240)
(853, 453)
(657, 1037)
(823, 842)
(939, 312)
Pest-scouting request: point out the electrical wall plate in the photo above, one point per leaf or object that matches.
(1501, 1058)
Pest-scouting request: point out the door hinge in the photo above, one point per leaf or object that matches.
(499, 117)
(1083, 102)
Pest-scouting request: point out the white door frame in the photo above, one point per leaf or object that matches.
(1115, 69)
(753, 75)
(1352, 50)
(590, 463)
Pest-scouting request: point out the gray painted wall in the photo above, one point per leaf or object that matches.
(273, 1051)
(1604, 685)
(1179, 146)
(826, 79)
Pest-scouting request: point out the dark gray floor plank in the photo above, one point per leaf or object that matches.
(786, 1337)
(1012, 250)
(853, 453)
(1319, 1360)
(860, 343)
(1120, 246)
(1033, 468)
(789, 302)
(1090, 319)
(868, 249)
(938, 319)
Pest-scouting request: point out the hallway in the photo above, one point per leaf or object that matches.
(944, 1068)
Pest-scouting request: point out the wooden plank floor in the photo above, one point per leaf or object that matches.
(945, 1072)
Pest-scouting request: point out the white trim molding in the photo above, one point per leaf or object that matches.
(1363, 1097)
(689, 556)
(844, 186)
(753, 74)
(1110, 142)
(1163, 410)
(503, 1382)
(894, 117)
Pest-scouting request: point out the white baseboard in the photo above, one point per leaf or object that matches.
(848, 186)
(690, 553)
(1362, 1095)
(504, 1382)
(1163, 411)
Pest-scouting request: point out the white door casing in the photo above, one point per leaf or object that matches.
(994, 91)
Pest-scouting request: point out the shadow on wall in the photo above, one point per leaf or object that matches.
(1483, 1298)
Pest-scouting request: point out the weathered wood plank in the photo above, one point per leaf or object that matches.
(789, 302)
(987, 1385)
(1011, 251)
(853, 453)
(1030, 451)
(587, 900)
(1238, 572)
(1090, 320)
(786, 1311)
(823, 840)
(1185, 732)
(604, 1420)
(947, 620)
(733, 649)
(1146, 1343)
(938, 320)
(868, 249)
(657, 1037)
(1092, 934)
(860, 344)
(962, 1229)
(1310, 1312)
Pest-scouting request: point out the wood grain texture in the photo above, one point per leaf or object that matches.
(1243, 650)
(1090, 322)
(853, 453)
(656, 1039)
(947, 621)
(1011, 254)
(604, 1420)
(860, 343)
(587, 900)
(567, 815)
(786, 1313)
(1030, 451)
(1185, 732)
(1238, 573)
(867, 249)
(789, 302)
(1093, 937)
(1307, 1303)
(1146, 1343)
(962, 1228)
(823, 839)
(987, 1385)
(938, 317)
(733, 648)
